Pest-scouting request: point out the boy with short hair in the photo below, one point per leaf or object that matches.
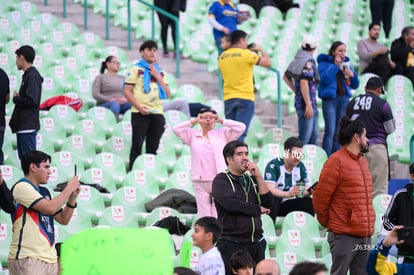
(207, 230)
(242, 263)
(225, 42)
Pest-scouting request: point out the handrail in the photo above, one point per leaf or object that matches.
(107, 20)
(64, 8)
(412, 149)
(279, 94)
(177, 31)
(85, 15)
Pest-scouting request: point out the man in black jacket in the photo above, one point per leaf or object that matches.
(25, 118)
(241, 196)
(402, 53)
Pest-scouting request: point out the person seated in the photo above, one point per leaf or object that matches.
(108, 89)
(402, 53)
(378, 264)
(241, 263)
(309, 268)
(373, 56)
(189, 109)
(288, 181)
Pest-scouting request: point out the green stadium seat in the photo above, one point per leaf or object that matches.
(117, 216)
(92, 131)
(146, 183)
(104, 117)
(110, 162)
(92, 202)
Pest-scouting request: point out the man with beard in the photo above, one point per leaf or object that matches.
(343, 200)
(376, 114)
(241, 196)
(373, 56)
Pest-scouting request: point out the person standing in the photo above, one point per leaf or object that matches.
(236, 66)
(6, 198)
(145, 87)
(302, 77)
(241, 196)
(32, 249)
(381, 11)
(402, 53)
(337, 79)
(25, 117)
(343, 200)
(373, 56)
(173, 7)
(107, 87)
(376, 114)
(206, 147)
(4, 99)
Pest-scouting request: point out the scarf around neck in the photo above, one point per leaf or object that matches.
(147, 78)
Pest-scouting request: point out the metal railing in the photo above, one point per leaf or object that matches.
(177, 31)
(279, 93)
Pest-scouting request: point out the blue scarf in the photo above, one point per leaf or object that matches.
(147, 78)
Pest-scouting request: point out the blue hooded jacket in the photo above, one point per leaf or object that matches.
(327, 71)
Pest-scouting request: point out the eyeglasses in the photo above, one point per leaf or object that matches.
(115, 62)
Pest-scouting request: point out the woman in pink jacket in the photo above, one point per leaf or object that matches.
(206, 147)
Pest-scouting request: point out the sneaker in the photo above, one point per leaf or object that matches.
(166, 55)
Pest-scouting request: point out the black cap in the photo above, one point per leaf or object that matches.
(374, 83)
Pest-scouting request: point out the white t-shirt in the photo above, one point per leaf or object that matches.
(211, 263)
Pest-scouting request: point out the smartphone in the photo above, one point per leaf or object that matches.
(406, 234)
(251, 45)
(75, 170)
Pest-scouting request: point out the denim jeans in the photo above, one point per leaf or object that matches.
(333, 111)
(241, 110)
(117, 108)
(26, 142)
(308, 128)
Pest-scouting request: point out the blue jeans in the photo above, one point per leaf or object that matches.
(333, 111)
(308, 128)
(26, 142)
(241, 110)
(117, 108)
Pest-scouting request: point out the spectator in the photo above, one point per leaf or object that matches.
(107, 87)
(145, 87)
(207, 231)
(241, 196)
(337, 79)
(224, 16)
(241, 263)
(400, 211)
(402, 53)
(225, 42)
(309, 268)
(173, 7)
(373, 57)
(376, 114)
(206, 147)
(267, 267)
(238, 87)
(285, 5)
(343, 200)
(302, 77)
(283, 176)
(381, 11)
(4, 99)
(25, 118)
(184, 271)
(32, 249)
(377, 262)
(6, 198)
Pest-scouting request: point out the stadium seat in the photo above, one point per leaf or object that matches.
(65, 115)
(381, 203)
(269, 231)
(191, 93)
(124, 129)
(276, 135)
(189, 254)
(152, 164)
(287, 260)
(146, 183)
(294, 240)
(5, 240)
(92, 131)
(113, 163)
(119, 146)
(66, 161)
(101, 177)
(116, 216)
(92, 202)
(79, 221)
(180, 180)
(82, 147)
(160, 213)
(11, 174)
(54, 130)
(104, 117)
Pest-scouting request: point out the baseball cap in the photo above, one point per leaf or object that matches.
(309, 43)
(375, 82)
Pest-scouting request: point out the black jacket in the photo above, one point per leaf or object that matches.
(26, 105)
(239, 210)
(399, 54)
(400, 211)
